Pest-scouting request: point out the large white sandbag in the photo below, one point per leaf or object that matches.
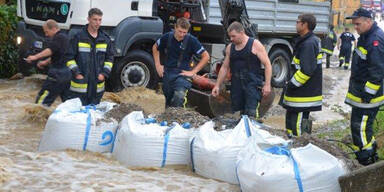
(73, 126)
(139, 144)
(307, 168)
(214, 152)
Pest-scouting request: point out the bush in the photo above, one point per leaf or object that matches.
(8, 48)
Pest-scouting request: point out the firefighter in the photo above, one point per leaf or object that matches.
(90, 57)
(346, 40)
(328, 44)
(57, 82)
(244, 57)
(303, 93)
(177, 48)
(365, 93)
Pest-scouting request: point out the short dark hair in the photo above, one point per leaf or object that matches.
(183, 23)
(95, 11)
(51, 24)
(308, 18)
(235, 26)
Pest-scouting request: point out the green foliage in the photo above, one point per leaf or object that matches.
(378, 128)
(8, 48)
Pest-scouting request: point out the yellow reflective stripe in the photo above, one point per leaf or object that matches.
(289, 132)
(298, 123)
(185, 99)
(341, 58)
(363, 51)
(372, 86)
(85, 45)
(354, 98)
(79, 85)
(327, 50)
(363, 127)
(369, 145)
(303, 99)
(109, 64)
(319, 56)
(100, 85)
(299, 79)
(42, 97)
(257, 110)
(71, 62)
(377, 99)
(101, 46)
(296, 60)
(302, 75)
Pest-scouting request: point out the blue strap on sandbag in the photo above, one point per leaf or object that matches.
(247, 129)
(88, 127)
(166, 138)
(191, 151)
(277, 150)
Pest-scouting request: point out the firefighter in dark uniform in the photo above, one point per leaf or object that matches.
(346, 40)
(303, 92)
(57, 82)
(178, 47)
(328, 43)
(365, 93)
(244, 57)
(90, 57)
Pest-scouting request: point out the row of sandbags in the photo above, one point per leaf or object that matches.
(245, 155)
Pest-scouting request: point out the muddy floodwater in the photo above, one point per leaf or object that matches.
(22, 168)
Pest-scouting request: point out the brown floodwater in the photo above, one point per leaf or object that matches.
(22, 168)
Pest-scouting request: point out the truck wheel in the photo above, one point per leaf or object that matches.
(280, 62)
(137, 68)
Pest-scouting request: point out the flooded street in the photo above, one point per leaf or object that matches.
(22, 168)
(335, 87)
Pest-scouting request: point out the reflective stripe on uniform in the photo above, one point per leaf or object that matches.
(108, 65)
(342, 58)
(101, 47)
(78, 87)
(357, 101)
(84, 47)
(296, 60)
(298, 123)
(185, 99)
(100, 87)
(371, 88)
(303, 101)
(319, 58)
(327, 51)
(71, 64)
(42, 97)
(299, 78)
(363, 126)
(362, 52)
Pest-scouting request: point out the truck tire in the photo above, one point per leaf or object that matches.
(137, 68)
(280, 62)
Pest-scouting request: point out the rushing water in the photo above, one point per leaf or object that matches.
(22, 168)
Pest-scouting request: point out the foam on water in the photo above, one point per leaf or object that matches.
(22, 168)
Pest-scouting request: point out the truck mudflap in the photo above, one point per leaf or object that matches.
(367, 179)
(211, 106)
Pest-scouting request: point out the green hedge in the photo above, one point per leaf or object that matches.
(8, 48)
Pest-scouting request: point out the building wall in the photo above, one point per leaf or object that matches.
(343, 8)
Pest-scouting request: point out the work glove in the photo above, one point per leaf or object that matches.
(366, 97)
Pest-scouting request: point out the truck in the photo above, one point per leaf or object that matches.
(135, 25)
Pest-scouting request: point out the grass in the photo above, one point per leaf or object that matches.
(339, 134)
(378, 129)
